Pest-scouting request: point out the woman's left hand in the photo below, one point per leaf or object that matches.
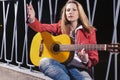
(83, 56)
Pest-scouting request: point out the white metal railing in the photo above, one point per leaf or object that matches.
(6, 4)
(116, 9)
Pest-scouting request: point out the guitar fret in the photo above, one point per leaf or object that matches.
(100, 48)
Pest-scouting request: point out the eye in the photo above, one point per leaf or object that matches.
(74, 9)
(67, 10)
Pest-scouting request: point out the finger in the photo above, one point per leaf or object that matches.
(30, 5)
(83, 50)
(27, 5)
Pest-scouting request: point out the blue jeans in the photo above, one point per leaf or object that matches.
(58, 71)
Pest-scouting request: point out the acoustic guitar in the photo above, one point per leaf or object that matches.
(45, 45)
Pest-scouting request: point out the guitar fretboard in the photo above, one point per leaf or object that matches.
(87, 47)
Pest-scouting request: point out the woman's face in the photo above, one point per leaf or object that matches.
(71, 12)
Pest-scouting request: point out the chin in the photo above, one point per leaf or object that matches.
(71, 20)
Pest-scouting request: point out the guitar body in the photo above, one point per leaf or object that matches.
(42, 44)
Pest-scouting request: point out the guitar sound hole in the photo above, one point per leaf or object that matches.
(56, 47)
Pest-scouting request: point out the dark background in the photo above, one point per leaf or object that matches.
(103, 21)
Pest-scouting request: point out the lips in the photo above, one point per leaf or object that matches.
(70, 16)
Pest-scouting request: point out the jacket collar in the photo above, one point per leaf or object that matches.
(79, 27)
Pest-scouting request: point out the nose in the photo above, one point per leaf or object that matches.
(70, 12)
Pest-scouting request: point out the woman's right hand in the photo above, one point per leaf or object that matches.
(83, 56)
(30, 13)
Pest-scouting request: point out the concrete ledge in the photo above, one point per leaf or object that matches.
(12, 72)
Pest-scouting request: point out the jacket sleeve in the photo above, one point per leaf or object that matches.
(39, 27)
(93, 55)
(89, 38)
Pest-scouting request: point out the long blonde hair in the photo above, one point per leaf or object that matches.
(82, 17)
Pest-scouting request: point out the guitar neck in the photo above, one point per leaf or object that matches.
(74, 47)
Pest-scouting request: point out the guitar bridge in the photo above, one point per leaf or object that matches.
(41, 48)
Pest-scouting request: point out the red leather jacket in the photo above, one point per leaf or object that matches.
(82, 36)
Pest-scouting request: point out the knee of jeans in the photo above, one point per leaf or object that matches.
(44, 60)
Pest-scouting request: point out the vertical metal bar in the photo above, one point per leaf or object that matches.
(50, 7)
(15, 26)
(40, 8)
(108, 68)
(1, 50)
(117, 13)
(16, 56)
(26, 30)
(56, 2)
(93, 12)
(4, 30)
(88, 9)
(115, 27)
(116, 66)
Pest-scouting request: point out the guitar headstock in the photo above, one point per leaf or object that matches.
(114, 47)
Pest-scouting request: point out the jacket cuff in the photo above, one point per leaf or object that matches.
(89, 64)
